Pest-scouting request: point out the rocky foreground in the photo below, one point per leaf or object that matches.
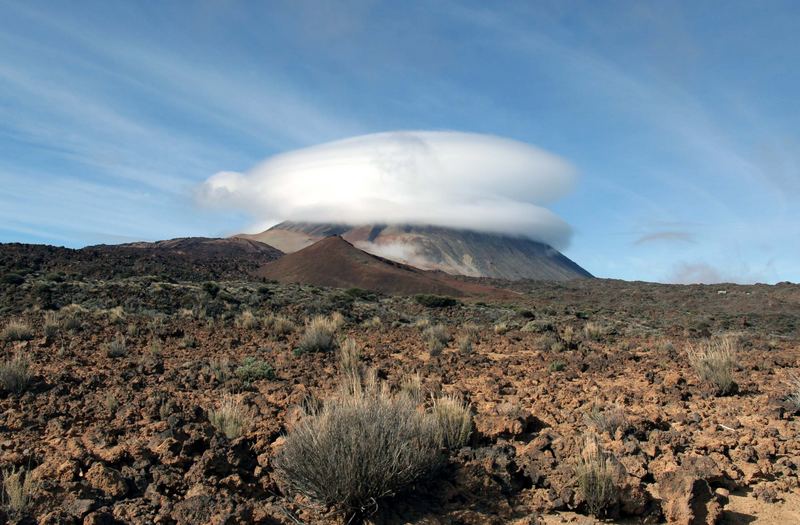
(114, 424)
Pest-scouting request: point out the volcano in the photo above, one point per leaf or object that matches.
(453, 251)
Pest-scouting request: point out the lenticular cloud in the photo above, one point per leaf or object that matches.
(450, 179)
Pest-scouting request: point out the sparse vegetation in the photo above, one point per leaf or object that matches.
(793, 399)
(19, 489)
(15, 375)
(51, 326)
(435, 301)
(252, 369)
(464, 342)
(247, 320)
(454, 421)
(117, 347)
(436, 338)
(557, 366)
(220, 369)
(502, 328)
(358, 449)
(606, 419)
(16, 331)
(373, 322)
(596, 477)
(350, 358)
(594, 331)
(278, 325)
(714, 360)
(230, 418)
(320, 335)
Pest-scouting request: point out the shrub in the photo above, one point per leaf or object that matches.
(319, 335)
(374, 322)
(436, 337)
(422, 323)
(220, 368)
(360, 294)
(714, 360)
(464, 342)
(253, 369)
(793, 399)
(188, 341)
(471, 330)
(411, 387)
(278, 325)
(594, 331)
(608, 419)
(18, 491)
(538, 326)
(13, 278)
(501, 328)
(247, 320)
(231, 418)
(211, 288)
(435, 301)
(15, 375)
(454, 421)
(51, 326)
(358, 449)
(557, 366)
(117, 348)
(350, 359)
(596, 477)
(16, 331)
(568, 336)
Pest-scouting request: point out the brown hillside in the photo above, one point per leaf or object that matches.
(336, 263)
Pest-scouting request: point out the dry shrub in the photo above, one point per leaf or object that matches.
(501, 328)
(221, 368)
(359, 448)
(568, 336)
(18, 491)
(594, 331)
(51, 326)
(607, 419)
(597, 477)
(117, 347)
(454, 421)
(411, 386)
(231, 418)
(247, 320)
(464, 342)
(714, 360)
(278, 325)
(472, 331)
(422, 323)
(436, 338)
(320, 335)
(16, 331)
(350, 358)
(15, 375)
(116, 315)
(793, 399)
(374, 322)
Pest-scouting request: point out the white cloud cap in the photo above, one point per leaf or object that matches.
(450, 179)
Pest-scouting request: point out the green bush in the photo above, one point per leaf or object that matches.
(435, 301)
(253, 369)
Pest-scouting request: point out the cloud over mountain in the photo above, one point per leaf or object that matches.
(450, 179)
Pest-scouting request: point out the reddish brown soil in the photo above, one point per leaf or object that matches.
(335, 262)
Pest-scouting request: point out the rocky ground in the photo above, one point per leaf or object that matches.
(113, 432)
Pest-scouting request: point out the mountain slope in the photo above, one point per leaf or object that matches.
(458, 252)
(335, 262)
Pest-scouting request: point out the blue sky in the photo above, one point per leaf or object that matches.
(681, 117)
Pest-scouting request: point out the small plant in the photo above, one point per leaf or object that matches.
(51, 326)
(350, 358)
(793, 399)
(435, 301)
(188, 341)
(13, 279)
(211, 288)
(471, 330)
(319, 335)
(411, 387)
(501, 328)
(247, 320)
(220, 368)
(111, 402)
(568, 336)
(436, 338)
(231, 418)
(253, 369)
(454, 421)
(15, 375)
(594, 331)
(155, 349)
(117, 347)
(597, 478)
(464, 342)
(19, 489)
(358, 449)
(116, 315)
(278, 325)
(607, 419)
(557, 366)
(422, 323)
(714, 360)
(16, 331)
(374, 322)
